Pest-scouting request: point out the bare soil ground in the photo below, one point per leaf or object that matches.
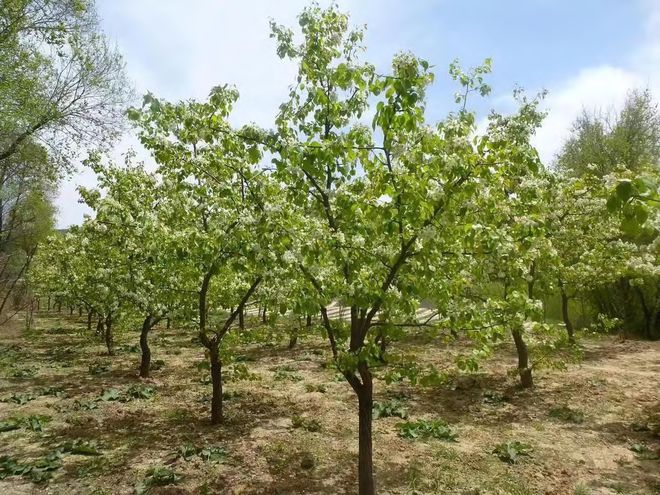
(291, 424)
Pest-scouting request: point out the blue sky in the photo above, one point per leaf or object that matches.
(586, 53)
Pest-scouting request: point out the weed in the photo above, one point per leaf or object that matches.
(643, 452)
(9, 425)
(312, 425)
(23, 373)
(158, 364)
(20, 399)
(313, 387)
(98, 368)
(85, 405)
(157, 476)
(110, 394)
(285, 373)
(213, 455)
(494, 397)
(132, 349)
(80, 447)
(34, 422)
(424, 429)
(511, 452)
(134, 392)
(38, 472)
(54, 392)
(581, 489)
(391, 409)
(139, 392)
(567, 414)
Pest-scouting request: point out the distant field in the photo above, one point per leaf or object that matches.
(592, 429)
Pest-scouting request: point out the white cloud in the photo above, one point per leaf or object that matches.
(594, 89)
(602, 87)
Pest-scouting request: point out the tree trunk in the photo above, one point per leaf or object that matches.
(100, 327)
(648, 314)
(59, 307)
(365, 456)
(109, 338)
(169, 323)
(216, 380)
(523, 359)
(48, 308)
(264, 318)
(308, 324)
(145, 362)
(293, 339)
(80, 311)
(241, 319)
(90, 313)
(565, 316)
(71, 310)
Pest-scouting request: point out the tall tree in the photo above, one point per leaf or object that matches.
(378, 205)
(61, 83)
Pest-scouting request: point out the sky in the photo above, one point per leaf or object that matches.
(588, 54)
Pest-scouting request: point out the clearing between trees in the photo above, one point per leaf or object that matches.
(86, 422)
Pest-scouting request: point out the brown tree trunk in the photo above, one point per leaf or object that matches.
(648, 315)
(565, 316)
(90, 313)
(109, 338)
(48, 307)
(308, 324)
(169, 323)
(216, 380)
(524, 370)
(241, 319)
(70, 310)
(365, 416)
(145, 362)
(100, 327)
(293, 339)
(264, 318)
(80, 311)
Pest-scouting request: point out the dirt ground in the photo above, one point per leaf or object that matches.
(291, 423)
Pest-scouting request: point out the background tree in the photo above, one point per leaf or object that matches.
(220, 212)
(62, 87)
(128, 211)
(613, 147)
